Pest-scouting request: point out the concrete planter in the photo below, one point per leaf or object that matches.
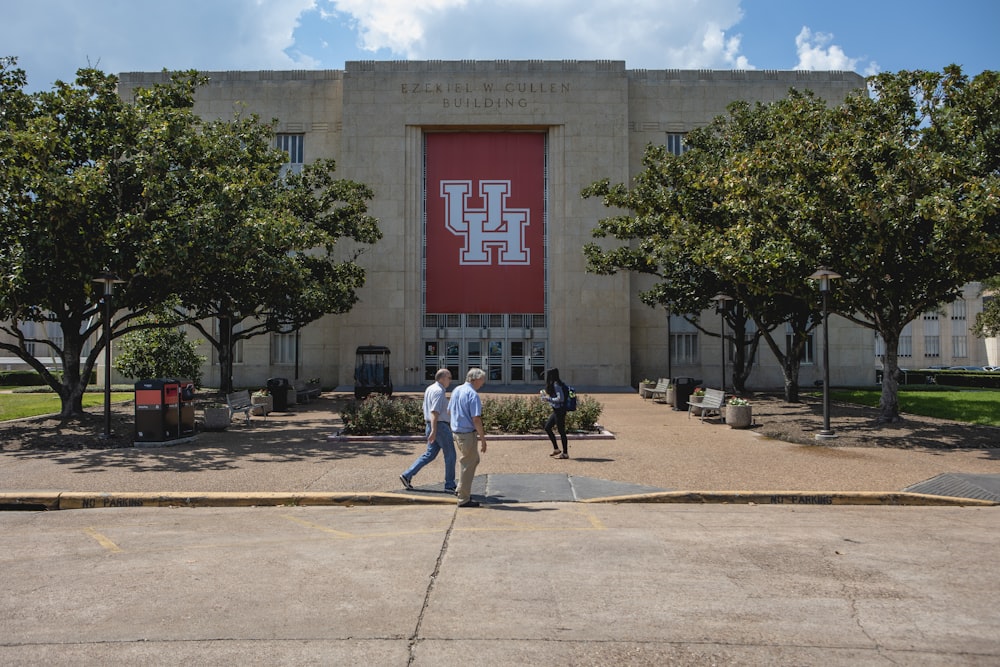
(694, 401)
(645, 388)
(216, 419)
(739, 416)
(262, 404)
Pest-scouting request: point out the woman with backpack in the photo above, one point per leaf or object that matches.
(555, 394)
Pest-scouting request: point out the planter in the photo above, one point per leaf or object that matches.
(739, 416)
(693, 402)
(292, 397)
(645, 388)
(671, 395)
(262, 404)
(216, 419)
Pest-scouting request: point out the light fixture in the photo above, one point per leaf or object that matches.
(824, 275)
(722, 301)
(107, 279)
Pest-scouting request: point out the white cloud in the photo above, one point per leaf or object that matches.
(52, 39)
(814, 54)
(645, 33)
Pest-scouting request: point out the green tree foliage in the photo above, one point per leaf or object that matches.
(988, 322)
(177, 207)
(158, 352)
(896, 190)
(695, 222)
(911, 195)
(74, 166)
(259, 252)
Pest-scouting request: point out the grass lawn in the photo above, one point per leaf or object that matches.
(15, 406)
(975, 406)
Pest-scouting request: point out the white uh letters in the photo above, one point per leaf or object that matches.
(494, 226)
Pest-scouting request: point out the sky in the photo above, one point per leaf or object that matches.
(53, 38)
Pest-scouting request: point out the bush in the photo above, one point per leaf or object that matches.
(161, 352)
(24, 378)
(381, 415)
(20, 379)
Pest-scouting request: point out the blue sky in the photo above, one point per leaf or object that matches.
(52, 38)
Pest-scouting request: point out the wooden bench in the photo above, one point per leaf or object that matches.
(712, 401)
(240, 402)
(304, 392)
(660, 389)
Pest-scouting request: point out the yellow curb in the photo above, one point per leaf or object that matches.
(91, 500)
(67, 500)
(796, 498)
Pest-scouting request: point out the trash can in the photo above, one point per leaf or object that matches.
(683, 388)
(278, 388)
(157, 410)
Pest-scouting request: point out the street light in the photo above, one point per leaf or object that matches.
(108, 279)
(721, 301)
(824, 275)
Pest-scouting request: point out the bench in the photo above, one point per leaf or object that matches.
(240, 402)
(304, 391)
(712, 401)
(662, 385)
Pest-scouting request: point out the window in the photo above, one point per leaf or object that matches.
(905, 348)
(283, 348)
(959, 347)
(683, 341)
(932, 335)
(294, 145)
(675, 143)
(958, 309)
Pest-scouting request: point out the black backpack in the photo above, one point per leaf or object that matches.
(570, 398)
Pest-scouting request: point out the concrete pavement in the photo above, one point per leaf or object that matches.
(558, 567)
(511, 584)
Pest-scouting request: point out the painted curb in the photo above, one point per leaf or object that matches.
(796, 498)
(68, 500)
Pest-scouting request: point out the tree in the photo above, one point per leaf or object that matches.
(178, 208)
(911, 194)
(988, 322)
(74, 167)
(159, 352)
(267, 250)
(693, 223)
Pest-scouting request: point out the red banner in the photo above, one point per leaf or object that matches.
(485, 238)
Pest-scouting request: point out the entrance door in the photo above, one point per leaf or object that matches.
(516, 361)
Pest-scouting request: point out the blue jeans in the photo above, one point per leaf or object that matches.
(444, 443)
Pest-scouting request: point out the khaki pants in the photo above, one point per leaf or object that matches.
(468, 459)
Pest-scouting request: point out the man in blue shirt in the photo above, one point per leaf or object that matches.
(438, 432)
(467, 424)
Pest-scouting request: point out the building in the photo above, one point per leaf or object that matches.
(477, 169)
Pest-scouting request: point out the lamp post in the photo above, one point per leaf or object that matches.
(107, 279)
(721, 300)
(824, 275)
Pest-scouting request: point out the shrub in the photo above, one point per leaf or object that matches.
(379, 414)
(160, 352)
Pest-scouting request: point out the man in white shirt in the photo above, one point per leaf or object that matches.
(438, 432)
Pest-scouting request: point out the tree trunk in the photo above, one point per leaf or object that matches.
(226, 355)
(888, 407)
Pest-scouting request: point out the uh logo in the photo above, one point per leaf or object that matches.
(492, 227)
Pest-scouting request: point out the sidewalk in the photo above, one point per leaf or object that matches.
(654, 447)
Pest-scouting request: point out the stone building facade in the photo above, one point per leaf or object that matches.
(477, 169)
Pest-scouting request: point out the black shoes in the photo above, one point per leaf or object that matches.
(406, 481)
(469, 503)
